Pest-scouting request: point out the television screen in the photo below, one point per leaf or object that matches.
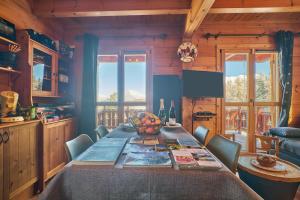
(202, 84)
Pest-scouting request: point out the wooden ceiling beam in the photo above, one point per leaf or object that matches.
(196, 15)
(255, 10)
(99, 8)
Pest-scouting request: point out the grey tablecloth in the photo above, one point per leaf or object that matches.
(89, 182)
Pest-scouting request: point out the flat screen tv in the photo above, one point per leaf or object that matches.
(198, 84)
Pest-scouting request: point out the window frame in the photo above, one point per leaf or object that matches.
(121, 103)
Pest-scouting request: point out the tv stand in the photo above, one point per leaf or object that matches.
(200, 116)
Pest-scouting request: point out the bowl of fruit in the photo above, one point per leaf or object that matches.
(146, 123)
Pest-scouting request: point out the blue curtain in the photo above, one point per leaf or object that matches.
(87, 123)
(284, 44)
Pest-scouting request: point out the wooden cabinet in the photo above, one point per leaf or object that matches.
(54, 155)
(39, 70)
(18, 158)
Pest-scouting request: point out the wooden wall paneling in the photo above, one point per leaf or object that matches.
(208, 61)
(25, 66)
(164, 51)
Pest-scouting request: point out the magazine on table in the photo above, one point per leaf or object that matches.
(106, 151)
(148, 159)
(192, 158)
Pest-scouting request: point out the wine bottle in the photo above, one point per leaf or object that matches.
(162, 112)
(172, 115)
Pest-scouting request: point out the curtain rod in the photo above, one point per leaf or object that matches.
(162, 36)
(210, 35)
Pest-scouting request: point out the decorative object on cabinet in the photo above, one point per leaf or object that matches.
(8, 105)
(187, 52)
(7, 30)
(42, 39)
(51, 113)
(64, 49)
(64, 74)
(8, 59)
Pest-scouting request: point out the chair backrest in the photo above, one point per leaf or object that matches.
(225, 150)
(78, 145)
(266, 144)
(201, 134)
(101, 131)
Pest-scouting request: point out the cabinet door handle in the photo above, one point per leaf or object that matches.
(5, 137)
(1, 138)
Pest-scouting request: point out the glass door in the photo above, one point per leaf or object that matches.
(267, 90)
(237, 101)
(43, 72)
(251, 103)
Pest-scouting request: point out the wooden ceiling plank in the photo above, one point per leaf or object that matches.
(255, 10)
(196, 15)
(96, 8)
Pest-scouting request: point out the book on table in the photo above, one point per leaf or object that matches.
(188, 142)
(104, 152)
(144, 140)
(147, 159)
(195, 159)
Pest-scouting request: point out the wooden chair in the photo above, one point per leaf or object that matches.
(230, 136)
(226, 151)
(78, 145)
(268, 144)
(201, 134)
(101, 131)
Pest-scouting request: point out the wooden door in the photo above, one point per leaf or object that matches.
(20, 158)
(1, 165)
(54, 152)
(251, 102)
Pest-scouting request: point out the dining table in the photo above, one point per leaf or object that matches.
(85, 180)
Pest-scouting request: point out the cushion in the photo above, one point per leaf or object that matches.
(288, 132)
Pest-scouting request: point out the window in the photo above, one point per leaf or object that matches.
(121, 87)
(251, 102)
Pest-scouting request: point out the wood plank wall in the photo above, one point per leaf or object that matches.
(163, 51)
(165, 61)
(208, 60)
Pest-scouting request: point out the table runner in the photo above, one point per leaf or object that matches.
(107, 182)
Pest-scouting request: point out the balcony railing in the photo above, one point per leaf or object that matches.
(109, 116)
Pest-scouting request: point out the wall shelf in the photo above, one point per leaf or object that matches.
(3, 69)
(7, 41)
